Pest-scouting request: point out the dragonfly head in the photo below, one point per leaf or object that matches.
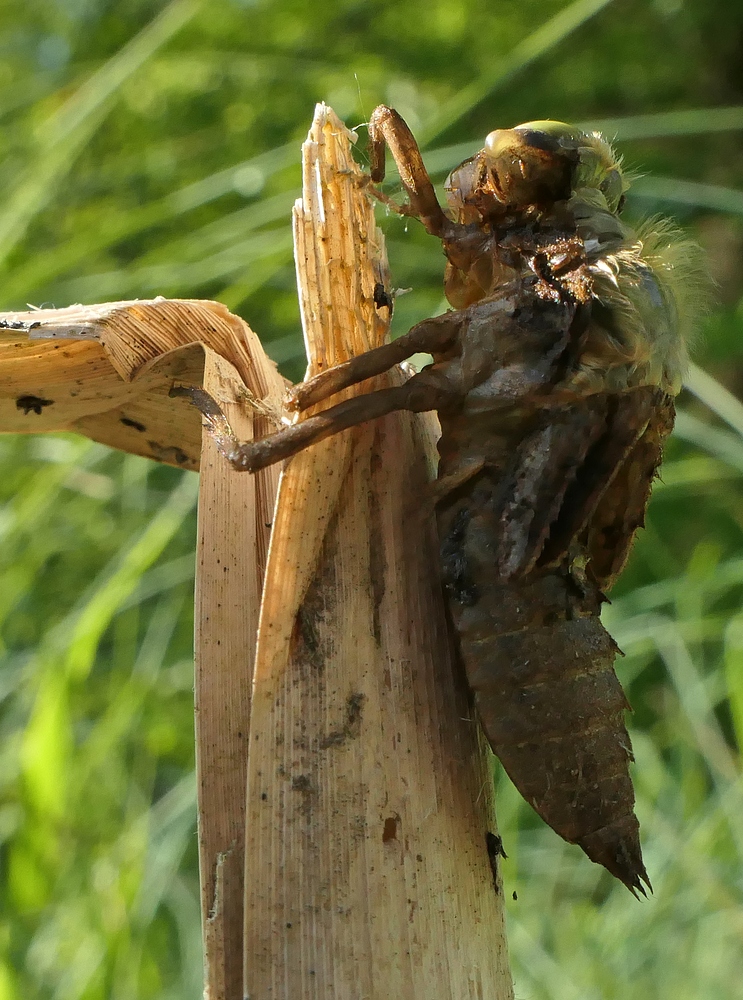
(535, 164)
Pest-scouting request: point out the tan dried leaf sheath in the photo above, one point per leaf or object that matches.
(368, 791)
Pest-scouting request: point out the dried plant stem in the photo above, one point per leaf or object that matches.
(234, 523)
(368, 789)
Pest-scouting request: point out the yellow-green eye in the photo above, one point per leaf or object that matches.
(564, 135)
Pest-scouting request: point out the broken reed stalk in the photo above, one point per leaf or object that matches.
(369, 791)
(234, 524)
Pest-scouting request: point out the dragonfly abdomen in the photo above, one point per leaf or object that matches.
(540, 666)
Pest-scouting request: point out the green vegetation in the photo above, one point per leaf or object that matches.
(152, 148)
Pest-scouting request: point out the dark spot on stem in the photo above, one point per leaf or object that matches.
(494, 846)
(128, 422)
(390, 829)
(350, 730)
(32, 403)
(169, 453)
(382, 298)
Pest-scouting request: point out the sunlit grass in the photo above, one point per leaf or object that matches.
(168, 163)
(98, 722)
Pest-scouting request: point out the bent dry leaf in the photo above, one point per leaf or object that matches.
(106, 370)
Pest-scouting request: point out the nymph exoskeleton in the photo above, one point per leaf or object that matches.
(553, 377)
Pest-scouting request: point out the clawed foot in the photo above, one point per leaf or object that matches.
(240, 455)
(378, 194)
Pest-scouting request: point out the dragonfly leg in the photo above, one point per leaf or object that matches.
(388, 128)
(430, 336)
(425, 391)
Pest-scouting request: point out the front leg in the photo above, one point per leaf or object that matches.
(429, 337)
(387, 128)
(426, 391)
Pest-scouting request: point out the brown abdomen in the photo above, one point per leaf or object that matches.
(540, 666)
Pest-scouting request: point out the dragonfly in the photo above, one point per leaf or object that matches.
(554, 375)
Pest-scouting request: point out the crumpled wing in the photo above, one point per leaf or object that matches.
(621, 510)
(562, 471)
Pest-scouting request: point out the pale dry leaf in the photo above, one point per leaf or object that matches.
(106, 370)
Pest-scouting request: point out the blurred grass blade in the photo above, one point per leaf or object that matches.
(47, 743)
(62, 136)
(714, 395)
(733, 662)
(672, 189)
(223, 182)
(694, 121)
(715, 440)
(96, 616)
(104, 83)
(174, 810)
(161, 579)
(546, 37)
(692, 471)
(693, 697)
(654, 595)
(267, 250)
(45, 266)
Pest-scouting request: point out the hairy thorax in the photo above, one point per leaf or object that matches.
(624, 328)
(574, 316)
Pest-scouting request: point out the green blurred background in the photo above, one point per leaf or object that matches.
(152, 148)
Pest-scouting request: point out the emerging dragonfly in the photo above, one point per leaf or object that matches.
(553, 377)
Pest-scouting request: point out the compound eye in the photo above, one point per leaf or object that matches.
(495, 141)
(537, 139)
(521, 137)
